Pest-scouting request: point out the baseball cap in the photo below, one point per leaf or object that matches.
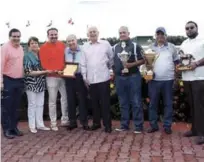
(161, 29)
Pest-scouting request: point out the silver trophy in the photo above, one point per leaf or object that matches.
(124, 57)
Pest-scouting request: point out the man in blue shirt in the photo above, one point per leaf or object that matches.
(164, 69)
(75, 86)
(128, 85)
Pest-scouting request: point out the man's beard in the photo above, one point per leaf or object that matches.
(192, 36)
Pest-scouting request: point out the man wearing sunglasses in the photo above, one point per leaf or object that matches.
(12, 83)
(162, 83)
(194, 80)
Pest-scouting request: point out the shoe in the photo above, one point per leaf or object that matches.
(64, 124)
(8, 135)
(189, 134)
(16, 132)
(138, 131)
(168, 130)
(54, 128)
(152, 130)
(95, 127)
(121, 129)
(33, 130)
(108, 130)
(71, 127)
(199, 140)
(86, 127)
(43, 128)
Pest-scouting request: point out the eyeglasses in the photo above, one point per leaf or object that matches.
(191, 27)
(15, 36)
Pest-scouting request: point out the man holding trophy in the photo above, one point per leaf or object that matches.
(193, 77)
(162, 81)
(128, 56)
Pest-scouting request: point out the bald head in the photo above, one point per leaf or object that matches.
(92, 34)
(124, 33)
(72, 42)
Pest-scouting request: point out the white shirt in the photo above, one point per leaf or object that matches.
(96, 61)
(196, 48)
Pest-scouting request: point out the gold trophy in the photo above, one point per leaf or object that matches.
(150, 58)
(186, 60)
(124, 57)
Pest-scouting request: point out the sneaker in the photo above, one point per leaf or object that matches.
(64, 124)
(120, 129)
(199, 140)
(54, 128)
(33, 130)
(152, 130)
(189, 134)
(138, 131)
(44, 128)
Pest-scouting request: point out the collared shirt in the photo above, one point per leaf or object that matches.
(12, 60)
(96, 61)
(164, 67)
(73, 56)
(196, 48)
(33, 83)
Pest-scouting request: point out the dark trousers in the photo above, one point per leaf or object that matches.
(129, 94)
(10, 102)
(75, 87)
(165, 88)
(194, 91)
(100, 99)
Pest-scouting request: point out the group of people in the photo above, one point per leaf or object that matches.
(42, 68)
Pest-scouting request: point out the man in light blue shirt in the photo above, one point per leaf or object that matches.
(75, 85)
(164, 68)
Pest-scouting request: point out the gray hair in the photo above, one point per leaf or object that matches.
(92, 28)
(71, 36)
(125, 28)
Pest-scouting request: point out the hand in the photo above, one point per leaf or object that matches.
(193, 66)
(177, 66)
(128, 65)
(2, 86)
(87, 84)
(49, 71)
(59, 72)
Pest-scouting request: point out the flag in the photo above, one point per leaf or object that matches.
(28, 23)
(50, 24)
(8, 24)
(70, 21)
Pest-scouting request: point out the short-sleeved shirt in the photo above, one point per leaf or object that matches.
(196, 48)
(135, 51)
(33, 83)
(164, 67)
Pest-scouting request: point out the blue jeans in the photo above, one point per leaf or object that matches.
(129, 94)
(166, 90)
(11, 99)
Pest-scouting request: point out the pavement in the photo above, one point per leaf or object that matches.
(97, 146)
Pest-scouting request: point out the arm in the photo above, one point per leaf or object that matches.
(200, 62)
(176, 58)
(4, 57)
(83, 65)
(140, 59)
(110, 55)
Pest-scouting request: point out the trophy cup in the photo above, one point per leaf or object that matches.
(124, 56)
(186, 60)
(150, 58)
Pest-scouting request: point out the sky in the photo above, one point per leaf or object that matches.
(141, 16)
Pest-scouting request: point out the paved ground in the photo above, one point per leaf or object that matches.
(83, 146)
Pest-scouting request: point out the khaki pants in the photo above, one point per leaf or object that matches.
(55, 84)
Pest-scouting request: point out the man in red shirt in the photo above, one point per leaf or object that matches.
(52, 58)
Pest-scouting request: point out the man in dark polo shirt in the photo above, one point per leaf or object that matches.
(128, 85)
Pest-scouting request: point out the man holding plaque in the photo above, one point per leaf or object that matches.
(162, 83)
(128, 56)
(194, 80)
(52, 58)
(96, 62)
(75, 85)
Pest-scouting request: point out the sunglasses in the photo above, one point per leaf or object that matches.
(188, 28)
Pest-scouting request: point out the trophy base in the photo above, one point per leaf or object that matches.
(148, 77)
(183, 68)
(124, 71)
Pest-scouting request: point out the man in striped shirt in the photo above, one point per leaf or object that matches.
(12, 83)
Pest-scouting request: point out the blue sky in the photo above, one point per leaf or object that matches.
(141, 16)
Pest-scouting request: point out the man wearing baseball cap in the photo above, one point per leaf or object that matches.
(162, 82)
